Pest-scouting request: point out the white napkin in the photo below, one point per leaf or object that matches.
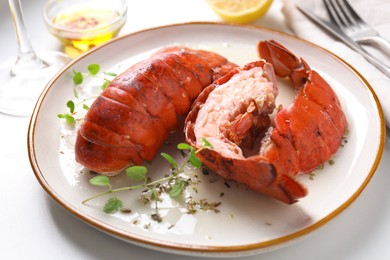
(375, 12)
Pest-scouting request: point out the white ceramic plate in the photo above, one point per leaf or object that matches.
(248, 222)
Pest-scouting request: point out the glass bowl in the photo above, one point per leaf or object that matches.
(83, 24)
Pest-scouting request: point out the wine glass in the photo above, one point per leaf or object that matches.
(23, 80)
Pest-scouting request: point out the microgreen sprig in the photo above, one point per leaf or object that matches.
(78, 79)
(69, 116)
(173, 184)
(93, 70)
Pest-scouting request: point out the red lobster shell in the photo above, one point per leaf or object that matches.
(131, 119)
(303, 136)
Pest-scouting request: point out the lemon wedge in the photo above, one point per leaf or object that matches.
(240, 11)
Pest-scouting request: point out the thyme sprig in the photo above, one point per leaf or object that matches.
(173, 184)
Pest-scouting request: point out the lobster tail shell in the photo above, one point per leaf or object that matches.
(309, 131)
(304, 134)
(285, 63)
(132, 118)
(256, 172)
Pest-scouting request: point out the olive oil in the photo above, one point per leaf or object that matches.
(82, 29)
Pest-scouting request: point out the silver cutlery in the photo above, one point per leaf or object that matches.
(336, 32)
(342, 14)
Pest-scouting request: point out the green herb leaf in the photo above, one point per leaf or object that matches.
(86, 107)
(69, 119)
(177, 188)
(105, 84)
(207, 144)
(136, 173)
(77, 77)
(75, 93)
(100, 180)
(112, 205)
(70, 105)
(93, 68)
(184, 146)
(110, 74)
(169, 158)
(194, 160)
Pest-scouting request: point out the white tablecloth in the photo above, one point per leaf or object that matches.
(33, 226)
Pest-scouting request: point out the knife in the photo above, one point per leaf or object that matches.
(336, 32)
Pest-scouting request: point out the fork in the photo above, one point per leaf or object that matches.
(342, 14)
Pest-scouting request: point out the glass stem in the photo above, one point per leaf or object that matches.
(27, 57)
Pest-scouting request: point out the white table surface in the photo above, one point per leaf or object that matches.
(34, 226)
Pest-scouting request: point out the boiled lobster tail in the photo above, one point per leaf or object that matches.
(237, 108)
(131, 119)
(310, 130)
(216, 107)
